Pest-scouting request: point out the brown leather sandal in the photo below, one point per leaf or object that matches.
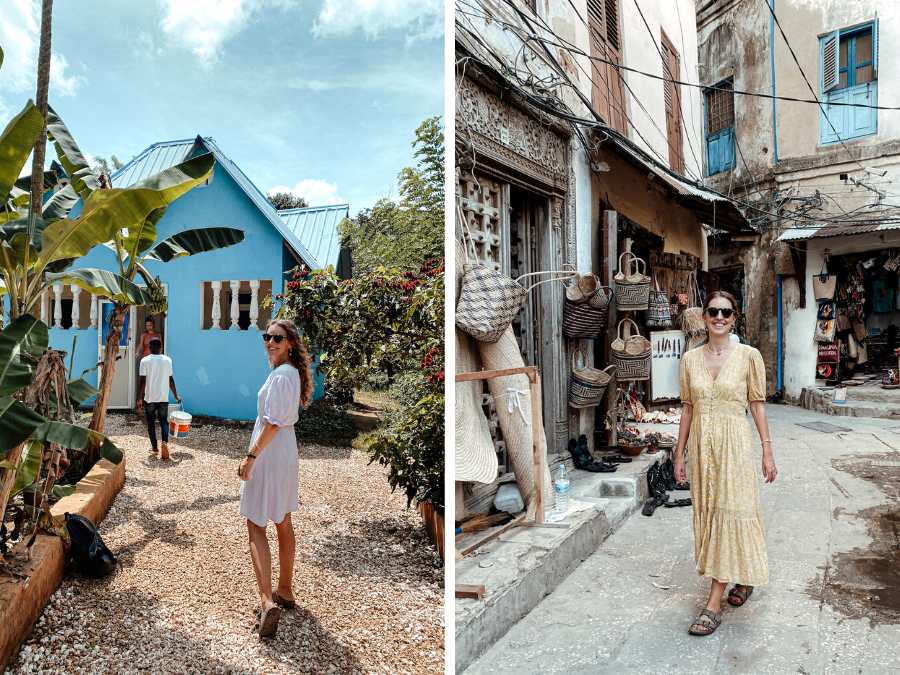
(281, 601)
(706, 627)
(741, 595)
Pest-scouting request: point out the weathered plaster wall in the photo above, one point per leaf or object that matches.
(737, 46)
(803, 22)
(641, 51)
(761, 300)
(631, 193)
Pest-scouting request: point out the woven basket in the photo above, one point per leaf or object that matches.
(588, 318)
(588, 385)
(632, 287)
(631, 354)
(691, 319)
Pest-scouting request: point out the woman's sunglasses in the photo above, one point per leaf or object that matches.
(713, 312)
(277, 338)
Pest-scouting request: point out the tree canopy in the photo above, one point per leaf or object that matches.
(282, 201)
(101, 165)
(402, 235)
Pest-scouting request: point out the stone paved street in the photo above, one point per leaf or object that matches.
(832, 605)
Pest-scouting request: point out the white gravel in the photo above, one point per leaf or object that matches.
(369, 585)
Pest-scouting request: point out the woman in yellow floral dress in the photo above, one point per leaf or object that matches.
(718, 380)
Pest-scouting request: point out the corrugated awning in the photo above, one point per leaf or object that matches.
(708, 205)
(836, 230)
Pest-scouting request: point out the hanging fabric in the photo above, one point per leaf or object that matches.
(823, 285)
(658, 314)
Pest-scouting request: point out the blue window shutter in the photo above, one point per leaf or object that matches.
(863, 121)
(875, 46)
(829, 51)
(837, 115)
(713, 155)
(727, 143)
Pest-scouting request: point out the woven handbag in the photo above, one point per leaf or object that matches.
(823, 285)
(631, 354)
(658, 313)
(632, 287)
(588, 385)
(588, 318)
(488, 300)
(691, 319)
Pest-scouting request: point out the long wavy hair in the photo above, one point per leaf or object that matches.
(298, 357)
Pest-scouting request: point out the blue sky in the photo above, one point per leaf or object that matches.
(318, 96)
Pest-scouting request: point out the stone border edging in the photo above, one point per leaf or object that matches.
(20, 607)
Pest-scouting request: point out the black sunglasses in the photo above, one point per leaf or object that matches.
(277, 338)
(713, 312)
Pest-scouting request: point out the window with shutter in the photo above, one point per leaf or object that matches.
(608, 91)
(719, 110)
(671, 93)
(849, 65)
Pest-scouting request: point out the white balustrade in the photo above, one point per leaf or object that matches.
(44, 307)
(93, 311)
(76, 310)
(216, 306)
(235, 306)
(57, 309)
(254, 304)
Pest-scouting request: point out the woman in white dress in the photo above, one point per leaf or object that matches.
(271, 469)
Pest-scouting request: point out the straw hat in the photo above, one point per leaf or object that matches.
(516, 425)
(476, 459)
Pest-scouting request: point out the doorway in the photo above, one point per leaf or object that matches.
(141, 315)
(120, 394)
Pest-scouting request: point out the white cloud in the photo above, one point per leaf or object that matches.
(20, 38)
(316, 192)
(203, 26)
(66, 86)
(419, 19)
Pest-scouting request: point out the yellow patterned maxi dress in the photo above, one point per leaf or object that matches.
(729, 541)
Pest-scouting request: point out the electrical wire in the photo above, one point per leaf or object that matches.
(548, 102)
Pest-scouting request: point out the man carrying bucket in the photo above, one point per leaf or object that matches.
(156, 375)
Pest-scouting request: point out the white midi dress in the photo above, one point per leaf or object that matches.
(274, 484)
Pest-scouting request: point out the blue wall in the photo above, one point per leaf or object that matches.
(216, 372)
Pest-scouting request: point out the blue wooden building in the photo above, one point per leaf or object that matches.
(212, 329)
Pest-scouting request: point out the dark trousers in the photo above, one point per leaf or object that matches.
(157, 411)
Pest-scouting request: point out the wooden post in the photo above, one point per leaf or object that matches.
(540, 447)
(610, 258)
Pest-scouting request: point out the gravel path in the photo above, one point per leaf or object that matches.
(368, 583)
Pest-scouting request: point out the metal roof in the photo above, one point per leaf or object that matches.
(836, 230)
(316, 226)
(160, 156)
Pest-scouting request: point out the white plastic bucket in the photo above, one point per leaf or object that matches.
(179, 423)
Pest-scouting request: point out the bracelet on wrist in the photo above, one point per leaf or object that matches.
(250, 454)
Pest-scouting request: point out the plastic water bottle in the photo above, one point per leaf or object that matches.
(562, 489)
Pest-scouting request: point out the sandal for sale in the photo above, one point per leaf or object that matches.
(616, 459)
(652, 504)
(705, 627)
(682, 486)
(742, 594)
(679, 502)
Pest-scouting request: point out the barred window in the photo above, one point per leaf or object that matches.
(720, 108)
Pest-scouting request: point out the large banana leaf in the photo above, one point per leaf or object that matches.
(17, 422)
(60, 204)
(23, 336)
(143, 236)
(29, 465)
(13, 227)
(70, 157)
(103, 282)
(16, 144)
(192, 242)
(107, 211)
(75, 437)
(51, 180)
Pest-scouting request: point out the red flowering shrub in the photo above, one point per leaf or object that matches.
(384, 320)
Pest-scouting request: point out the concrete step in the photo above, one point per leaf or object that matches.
(525, 564)
(869, 403)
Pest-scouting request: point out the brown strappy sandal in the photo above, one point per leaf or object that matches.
(707, 627)
(742, 595)
(281, 601)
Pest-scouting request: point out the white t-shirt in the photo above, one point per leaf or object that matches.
(157, 368)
